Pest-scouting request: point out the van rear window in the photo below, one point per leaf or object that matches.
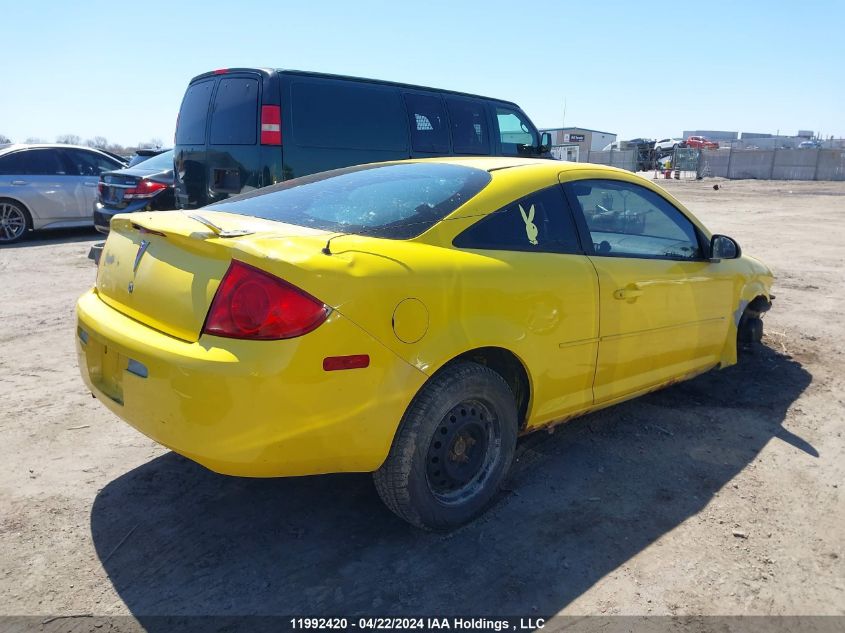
(234, 117)
(194, 113)
(344, 115)
(397, 201)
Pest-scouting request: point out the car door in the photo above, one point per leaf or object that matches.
(42, 184)
(543, 301)
(84, 168)
(664, 308)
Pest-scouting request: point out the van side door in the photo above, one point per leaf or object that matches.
(331, 122)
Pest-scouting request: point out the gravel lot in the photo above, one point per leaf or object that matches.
(723, 495)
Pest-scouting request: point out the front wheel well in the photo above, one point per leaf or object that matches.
(510, 368)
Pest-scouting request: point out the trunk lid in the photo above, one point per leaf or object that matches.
(162, 269)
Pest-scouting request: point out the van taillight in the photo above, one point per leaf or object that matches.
(271, 125)
(253, 304)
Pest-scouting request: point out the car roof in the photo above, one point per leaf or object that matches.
(383, 82)
(18, 146)
(497, 163)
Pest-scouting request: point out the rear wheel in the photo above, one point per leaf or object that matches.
(14, 221)
(453, 448)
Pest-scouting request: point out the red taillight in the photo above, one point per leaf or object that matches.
(271, 125)
(253, 304)
(143, 189)
(221, 71)
(100, 186)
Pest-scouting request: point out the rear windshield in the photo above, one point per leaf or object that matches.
(159, 162)
(397, 201)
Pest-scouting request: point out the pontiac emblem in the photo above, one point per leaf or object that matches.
(141, 250)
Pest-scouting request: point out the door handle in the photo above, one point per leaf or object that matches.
(20, 182)
(628, 294)
(90, 184)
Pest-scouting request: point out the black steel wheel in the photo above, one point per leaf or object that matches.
(461, 454)
(453, 448)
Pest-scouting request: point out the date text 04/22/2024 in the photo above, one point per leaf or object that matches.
(423, 623)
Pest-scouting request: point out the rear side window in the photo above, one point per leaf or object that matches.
(194, 113)
(234, 117)
(469, 127)
(398, 201)
(33, 162)
(11, 163)
(344, 115)
(427, 118)
(88, 163)
(540, 222)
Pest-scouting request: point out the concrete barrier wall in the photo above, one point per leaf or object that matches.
(714, 163)
(795, 164)
(624, 159)
(760, 164)
(831, 165)
(751, 163)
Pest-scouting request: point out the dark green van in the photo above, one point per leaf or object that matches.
(244, 128)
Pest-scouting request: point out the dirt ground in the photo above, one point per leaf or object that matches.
(723, 495)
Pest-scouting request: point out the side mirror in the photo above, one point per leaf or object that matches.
(545, 143)
(723, 247)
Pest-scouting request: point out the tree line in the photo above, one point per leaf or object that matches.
(98, 142)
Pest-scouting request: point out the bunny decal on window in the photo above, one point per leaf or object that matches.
(530, 227)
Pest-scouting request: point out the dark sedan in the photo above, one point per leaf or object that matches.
(148, 186)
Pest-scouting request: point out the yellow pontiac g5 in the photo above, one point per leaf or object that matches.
(409, 319)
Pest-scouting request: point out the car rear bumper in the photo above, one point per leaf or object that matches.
(248, 408)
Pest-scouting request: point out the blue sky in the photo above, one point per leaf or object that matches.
(119, 69)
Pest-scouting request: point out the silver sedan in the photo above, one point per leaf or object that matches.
(51, 186)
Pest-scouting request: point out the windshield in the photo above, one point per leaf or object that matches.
(398, 201)
(159, 162)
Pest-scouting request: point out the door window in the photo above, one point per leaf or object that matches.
(469, 127)
(194, 113)
(427, 119)
(33, 162)
(540, 222)
(234, 117)
(627, 220)
(515, 133)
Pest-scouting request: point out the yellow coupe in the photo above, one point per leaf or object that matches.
(409, 319)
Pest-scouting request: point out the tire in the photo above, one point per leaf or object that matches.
(15, 221)
(453, 448)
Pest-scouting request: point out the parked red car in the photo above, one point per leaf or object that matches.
(701, 142)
